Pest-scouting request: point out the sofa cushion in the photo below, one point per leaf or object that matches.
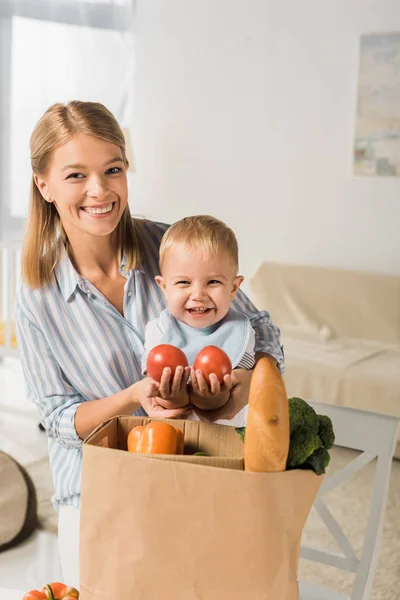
(362, 377)
(330, 302)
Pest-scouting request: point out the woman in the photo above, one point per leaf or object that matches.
(88, 291)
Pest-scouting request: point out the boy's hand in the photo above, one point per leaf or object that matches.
(171, 394)
(154, 409)
(238, 398)
(209, 396)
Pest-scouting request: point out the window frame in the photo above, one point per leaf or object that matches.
(101, 16)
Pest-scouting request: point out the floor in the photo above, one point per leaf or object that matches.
(35, 562)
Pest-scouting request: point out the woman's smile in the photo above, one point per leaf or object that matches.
(100, 211)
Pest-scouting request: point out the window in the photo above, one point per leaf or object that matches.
(57, 50)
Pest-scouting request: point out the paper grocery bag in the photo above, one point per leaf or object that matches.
(188, 528)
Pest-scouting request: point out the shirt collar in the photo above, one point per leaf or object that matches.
(69, 279)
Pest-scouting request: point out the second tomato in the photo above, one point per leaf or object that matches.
(213, 360)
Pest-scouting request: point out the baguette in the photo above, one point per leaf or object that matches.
(266, 444)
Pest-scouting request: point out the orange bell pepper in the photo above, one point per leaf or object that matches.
(53, 591)
(155, 438)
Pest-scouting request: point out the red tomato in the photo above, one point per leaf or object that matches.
(213, 360)
(163, 356)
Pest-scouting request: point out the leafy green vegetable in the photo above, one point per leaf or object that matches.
(325, 431)
(302, 445)
(241, 431)
(302, 415)
(318, 461)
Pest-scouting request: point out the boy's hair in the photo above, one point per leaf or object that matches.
(201, 232)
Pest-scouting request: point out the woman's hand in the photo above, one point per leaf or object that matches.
(239, 394)
(209, 396)
(146, 393)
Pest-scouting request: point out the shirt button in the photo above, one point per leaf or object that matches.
(129, 293)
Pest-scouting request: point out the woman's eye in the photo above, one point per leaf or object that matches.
(114, 170)
(75, 176)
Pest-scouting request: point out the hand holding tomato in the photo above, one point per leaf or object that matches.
(169, 368)
(148, 398)
(239, 394)
(208, 395)
(171, 392)
(213, 360)
(211, 378)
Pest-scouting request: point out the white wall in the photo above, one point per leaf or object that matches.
(246, 109)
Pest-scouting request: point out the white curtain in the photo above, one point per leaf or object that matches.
(55, 51)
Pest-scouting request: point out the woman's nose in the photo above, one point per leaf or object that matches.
(96, 187)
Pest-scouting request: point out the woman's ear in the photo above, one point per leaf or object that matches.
(160, 282)
(41, 185)
(237, 282)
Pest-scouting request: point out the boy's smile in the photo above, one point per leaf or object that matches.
(198, 289)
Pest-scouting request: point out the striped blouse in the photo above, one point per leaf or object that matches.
(75, 346)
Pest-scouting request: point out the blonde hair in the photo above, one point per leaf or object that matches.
(201, 232)
(45, 233)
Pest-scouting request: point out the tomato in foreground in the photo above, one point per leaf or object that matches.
(213, 360)
(163, 356)
(53, 591)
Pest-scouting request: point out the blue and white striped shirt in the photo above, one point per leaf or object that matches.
(75, 346)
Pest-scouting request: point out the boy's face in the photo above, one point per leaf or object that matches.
(198, 289)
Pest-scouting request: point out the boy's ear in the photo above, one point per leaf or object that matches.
(237, 282)
(160, 282)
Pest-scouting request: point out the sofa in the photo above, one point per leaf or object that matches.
(340, 332)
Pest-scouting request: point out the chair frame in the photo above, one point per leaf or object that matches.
(375, 435)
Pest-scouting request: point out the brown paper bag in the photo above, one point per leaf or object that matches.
(185, 527)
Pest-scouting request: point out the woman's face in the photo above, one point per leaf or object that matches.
(87, 182)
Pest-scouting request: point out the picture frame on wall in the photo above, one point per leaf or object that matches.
(377, 135)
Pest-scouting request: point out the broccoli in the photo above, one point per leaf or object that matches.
(304, 427)
(311, 436)
(302, 415)
(302, 444)
(318, 461)
(241, 431)
(325, 431)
